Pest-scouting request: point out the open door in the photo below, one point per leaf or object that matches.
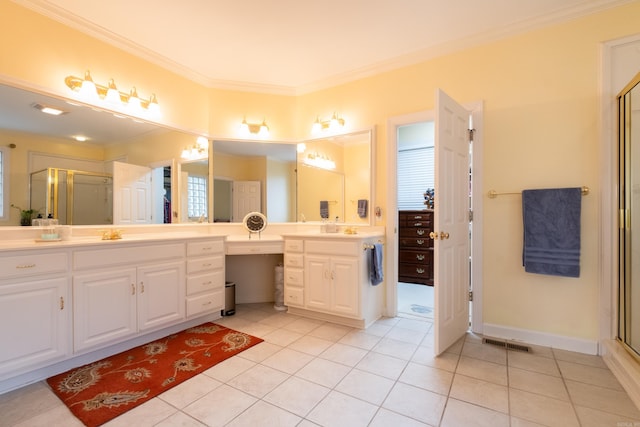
(451, 223)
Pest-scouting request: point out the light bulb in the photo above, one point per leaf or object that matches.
(134, 101)
(264, 130)
(317, 126)
(244, 128)
(88, 89)
(113, 95)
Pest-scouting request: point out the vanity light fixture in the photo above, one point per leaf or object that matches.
(319, 161)
(200, 150)
(333, 124)
(91, 92)
(260, 129)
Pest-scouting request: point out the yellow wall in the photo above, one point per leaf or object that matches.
(540, 93)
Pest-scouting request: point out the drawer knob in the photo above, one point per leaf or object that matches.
(420, 242)
(420, 232)
(420, 270)
(417, 224)
(420, 257)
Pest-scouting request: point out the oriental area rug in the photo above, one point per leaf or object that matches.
(100, 391)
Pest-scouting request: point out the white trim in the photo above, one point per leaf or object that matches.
(625, 368)
(561, 342)
(5, 215)
(391, 308)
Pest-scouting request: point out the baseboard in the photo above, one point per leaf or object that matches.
(625, 368)
(541, 338)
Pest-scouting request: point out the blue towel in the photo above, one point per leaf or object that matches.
(324, 209)
(362, 208)
(375, 264)
(552, 231)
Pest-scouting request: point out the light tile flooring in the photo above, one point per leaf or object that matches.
(311, 373)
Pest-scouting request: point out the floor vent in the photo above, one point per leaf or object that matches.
(507, 345)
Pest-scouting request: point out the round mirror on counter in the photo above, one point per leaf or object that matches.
(254, 222)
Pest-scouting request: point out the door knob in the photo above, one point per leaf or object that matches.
(444, 235)
(433, 235)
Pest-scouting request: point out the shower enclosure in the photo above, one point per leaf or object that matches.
(73, 197)
(629, 216)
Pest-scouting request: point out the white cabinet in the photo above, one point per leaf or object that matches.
(34, 310)
(335, 281)
(294, 272)
(118, 302)
(205, 277)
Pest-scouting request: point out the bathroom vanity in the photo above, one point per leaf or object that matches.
(71, 302)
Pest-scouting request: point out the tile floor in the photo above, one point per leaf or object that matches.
(311, 373)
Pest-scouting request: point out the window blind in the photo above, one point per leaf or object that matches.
(415, 175)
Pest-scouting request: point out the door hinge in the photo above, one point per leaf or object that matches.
(471, 133)
(470, 215)
(470, 295)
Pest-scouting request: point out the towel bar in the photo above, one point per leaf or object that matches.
(366, 246)
(493, 193)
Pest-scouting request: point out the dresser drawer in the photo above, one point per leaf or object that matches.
(294, 245)
(293, 260)
(422, 233)
(205, 247)
(205, 282)
(415, 242)
(204, 303)
(293, 276)
(416, 257)
(31, 264)
(205, 264)
(415, 270)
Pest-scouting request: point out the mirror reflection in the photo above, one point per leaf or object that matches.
(334, 179)
(268, 177)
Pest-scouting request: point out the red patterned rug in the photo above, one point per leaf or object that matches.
(100, 391)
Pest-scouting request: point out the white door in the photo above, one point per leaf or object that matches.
(451, 223)
(131, 194)
(246, 198)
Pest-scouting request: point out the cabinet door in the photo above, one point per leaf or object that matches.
(161, 294)
(34, 326)
(317, 275)
(345, 286)
(104, 307)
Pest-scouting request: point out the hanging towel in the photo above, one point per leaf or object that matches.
(362, 208)
(324, 209)
(375, 264)
(552, 231)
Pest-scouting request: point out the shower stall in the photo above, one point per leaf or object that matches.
(73, 197)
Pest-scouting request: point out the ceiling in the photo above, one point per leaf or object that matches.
(296, 46)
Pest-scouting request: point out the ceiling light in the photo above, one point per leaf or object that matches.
(49, 110)
(80, 138)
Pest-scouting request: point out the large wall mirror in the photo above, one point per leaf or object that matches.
(290, 185)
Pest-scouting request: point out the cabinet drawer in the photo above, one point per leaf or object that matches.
(133, 254)
(293, 260)
(410, 216)
(204, 303)
(294, 296)
(205, 247)
(205, 264)
(293, 245)
(332, 247)
(205, 282)
(422, 233)
(293, 276)
(31, 264)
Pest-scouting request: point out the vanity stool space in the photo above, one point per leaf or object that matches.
(415, 247)
(326, 277)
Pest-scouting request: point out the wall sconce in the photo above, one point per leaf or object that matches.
(259, 129)
(200, 150)
(334, 124)
(319, 161)
(111, 96)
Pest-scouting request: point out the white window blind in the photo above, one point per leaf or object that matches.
(197, 200)
(415, 175)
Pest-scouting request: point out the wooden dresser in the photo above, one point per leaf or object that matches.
(415, 257)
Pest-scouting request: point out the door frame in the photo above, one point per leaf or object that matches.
(391, 264)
